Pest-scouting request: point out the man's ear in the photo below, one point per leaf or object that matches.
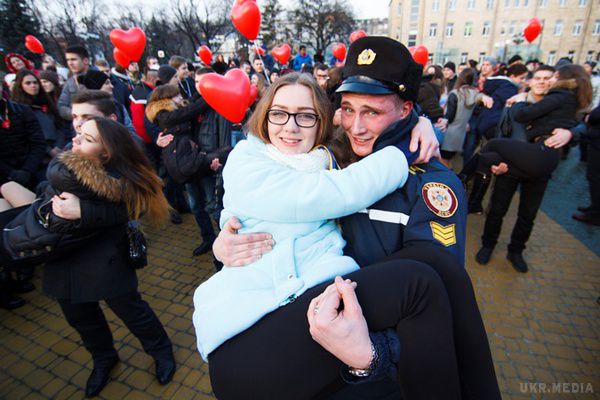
(113, 117)
(407, 107)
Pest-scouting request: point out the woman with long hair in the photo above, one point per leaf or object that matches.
(28, 90)
(92, 192)
(251, 322)
(570, 92)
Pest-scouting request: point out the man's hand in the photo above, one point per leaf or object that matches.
(487, 101)
(517, 98)
(66, 206)
(164, 140)
(423, 135)
(344, 333)
(559, 138)
(215, 164)
(235, 250)
(499, 169)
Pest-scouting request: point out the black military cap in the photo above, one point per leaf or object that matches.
(380, 65)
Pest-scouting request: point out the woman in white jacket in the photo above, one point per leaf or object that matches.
(282, 180)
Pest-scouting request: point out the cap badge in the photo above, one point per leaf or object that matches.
(401, 88)
(366, 57)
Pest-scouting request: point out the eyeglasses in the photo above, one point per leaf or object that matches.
(303, 120)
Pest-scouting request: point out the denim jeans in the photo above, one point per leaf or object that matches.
(237, 136)
(197, 202)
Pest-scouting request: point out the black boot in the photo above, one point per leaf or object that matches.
(517, 261)
(483, 255)
(22, 283)
(204, 248)
(165, 369)
(478, 191)
(99, 377)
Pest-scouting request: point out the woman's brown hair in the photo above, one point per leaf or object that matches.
(258, 123)
(18, 95)
(577, 75)
(164, 92)
(142, 188)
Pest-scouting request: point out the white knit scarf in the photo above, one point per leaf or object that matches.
(314, 160)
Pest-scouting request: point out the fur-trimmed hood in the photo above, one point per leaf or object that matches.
(565, 84)
(153, 108)
(86, 172)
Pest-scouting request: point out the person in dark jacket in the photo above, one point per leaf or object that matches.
(450, 76)
(22, 144)
(28, 90)
(167, 109)
(429, 99)
(95, 189)
(591, 214)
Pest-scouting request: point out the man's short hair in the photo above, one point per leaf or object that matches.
(101, 63)
(544, 67)
(321, 67)
(203, 70)
(516, 70)
(177, 61)
(302, 47)
(79, 50)
(98, 98)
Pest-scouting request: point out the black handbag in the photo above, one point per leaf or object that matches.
(138, 251)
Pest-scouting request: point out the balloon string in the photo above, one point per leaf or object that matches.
(257, 51)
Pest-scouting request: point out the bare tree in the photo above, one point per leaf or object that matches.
(202, 22)
(322, 22)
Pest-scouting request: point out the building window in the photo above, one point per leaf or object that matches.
(571, 55)
(577, 28)
(558, 28)
(468, 29)
(506, 3)
(525, 3)
(512, 28)
(433, 30)
(449, 29)
(464, 57)
(399, 10)
(451, 5)
(435, 5)
(517, 3)
(582, 3)
(551, 58)
(489, 4)
(590, 56)
(480, 59)
(471, 4)
(562, 3)
(412, 39)
(596, 30)
(543, 3)
(503, 29)
(487, 26)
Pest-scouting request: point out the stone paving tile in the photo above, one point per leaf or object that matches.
(544, 326)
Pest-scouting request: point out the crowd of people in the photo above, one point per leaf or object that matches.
(348, 183)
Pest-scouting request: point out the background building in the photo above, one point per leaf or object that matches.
(458, 30)
(374, 26)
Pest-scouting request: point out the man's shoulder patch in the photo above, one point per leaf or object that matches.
(446, 235)
(439, 199)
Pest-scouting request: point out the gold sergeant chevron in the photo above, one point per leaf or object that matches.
(446, 235)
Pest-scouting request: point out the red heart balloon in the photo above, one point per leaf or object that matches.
(420, 54)
(131, 42)
(532, 30)
(121, 58)
(339, 51)
(258, 50)
(34, 45)
(227, 94)
(253, 95)
(205, 54)
(357, 35)
(282, 53)
(246, 18)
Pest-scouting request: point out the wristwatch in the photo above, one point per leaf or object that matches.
(363, 373)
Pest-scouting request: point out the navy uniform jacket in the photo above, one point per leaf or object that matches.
(430, 208)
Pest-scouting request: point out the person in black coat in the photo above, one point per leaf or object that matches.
(22, 144)
(91, 194)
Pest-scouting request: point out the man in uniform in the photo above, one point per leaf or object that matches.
(425, 220)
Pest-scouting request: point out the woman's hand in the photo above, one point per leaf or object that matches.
(66, 206)
(164, 140)
(423, 136)
(517, 98)
(344, 333)
(237, 250)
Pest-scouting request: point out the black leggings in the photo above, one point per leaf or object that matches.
(525, 160)
(277, 358)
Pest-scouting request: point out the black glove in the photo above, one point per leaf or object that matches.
(20, 176)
